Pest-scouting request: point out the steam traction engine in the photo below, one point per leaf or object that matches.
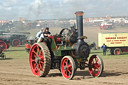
(4, 41)
(14, 39)
(66, 51)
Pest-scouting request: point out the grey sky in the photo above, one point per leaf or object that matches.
(55, 9)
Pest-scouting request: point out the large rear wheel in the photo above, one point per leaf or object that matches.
(68, 67)
(96, 66)
(40, 59)
(3, 46)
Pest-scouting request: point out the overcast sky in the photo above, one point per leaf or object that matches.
(55, 9)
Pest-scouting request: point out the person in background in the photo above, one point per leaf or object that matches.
(40, 35)
(104, 47)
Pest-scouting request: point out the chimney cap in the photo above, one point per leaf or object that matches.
(79, 13)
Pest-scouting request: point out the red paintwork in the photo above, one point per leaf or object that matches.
(68, 71)
(117, 52)
(51, 37)
(27, 46)
(36, 52)
(58, 39)
(94, 71)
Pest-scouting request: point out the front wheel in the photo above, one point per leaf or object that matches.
(96, 66)
(68, 67)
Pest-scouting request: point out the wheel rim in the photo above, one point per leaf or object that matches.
(36, 60)
(66, 68)
(16, 42)
(117, 52)
(94, 66)
(3, 45)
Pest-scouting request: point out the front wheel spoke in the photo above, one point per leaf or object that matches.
(66, 62)
(98, 69)
(70, 72)
(66, 72)
(92, 61)
(69, 67)
(98, 66)
(94, 71)
(96, 60)
(95, 66)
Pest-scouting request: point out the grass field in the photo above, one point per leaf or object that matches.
(20, 53)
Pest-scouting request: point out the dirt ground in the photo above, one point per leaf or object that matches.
(16, 71)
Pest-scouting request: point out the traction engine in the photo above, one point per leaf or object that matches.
(66, 52)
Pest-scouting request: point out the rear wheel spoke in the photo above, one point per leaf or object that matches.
(32, 60)
(35, 53)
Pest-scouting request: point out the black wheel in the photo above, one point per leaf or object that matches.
(112, 51)
(68, 67)
(3, 56)
(117, 51)
(40, 59)
(96, 66)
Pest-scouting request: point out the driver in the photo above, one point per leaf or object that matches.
(47, 33)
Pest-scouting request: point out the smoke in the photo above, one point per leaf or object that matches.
(35, 9)
(56, 9)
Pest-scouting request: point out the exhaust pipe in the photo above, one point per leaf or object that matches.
(81, 47)
(79, 20)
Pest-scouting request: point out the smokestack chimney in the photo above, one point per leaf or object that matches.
(79, 20)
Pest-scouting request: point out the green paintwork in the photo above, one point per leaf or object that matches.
(57, 53)
(53, 45)
(61, 48)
